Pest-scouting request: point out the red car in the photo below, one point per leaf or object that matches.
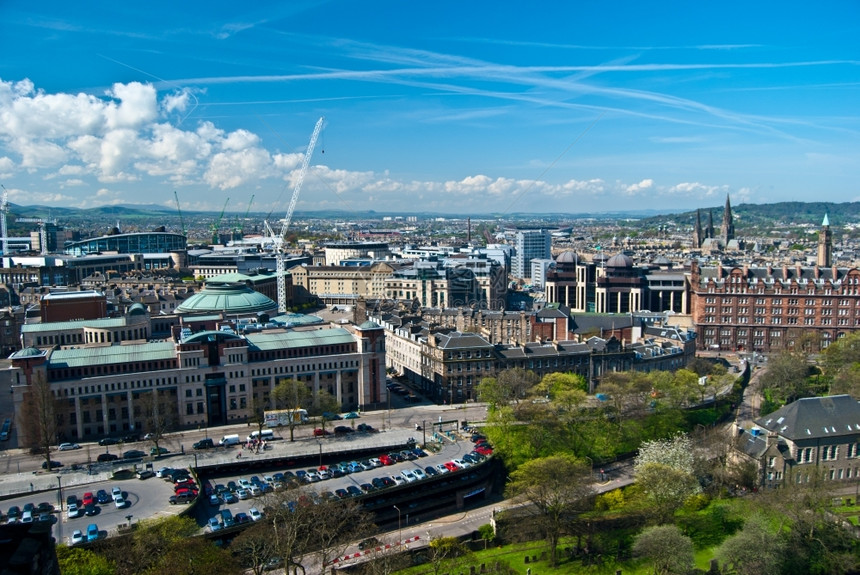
(386, 460)
(88, 499)
(451, 466)
(319, 432)
(484, 450)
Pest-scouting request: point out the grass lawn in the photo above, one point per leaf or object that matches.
(515, 554)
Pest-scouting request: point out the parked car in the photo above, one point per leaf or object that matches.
(68, 446)
(185, 497)
(105, 457)
(88, 499)
(145, 474)
(365, 427)
(77, 537)
(206, 443)
(320, 432)
(133, 454)
(255, 514)
(102, 496)
(54, 464)
(229, 497)
(90, 510)
(108, 441)
(119, 502)
(73, 511)
(92, 532)
(351, 415)
(213, 524)
(342, 430)
(214, 500)
(159, 451)
(328, 416)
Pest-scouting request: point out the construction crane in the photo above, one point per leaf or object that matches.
(4, 210)
(217, 223)
(279, 240)
(181, 221)
(240, 225)
(43, 231)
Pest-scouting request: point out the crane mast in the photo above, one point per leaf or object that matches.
(4, 210)
(280, 240)
(181, 221)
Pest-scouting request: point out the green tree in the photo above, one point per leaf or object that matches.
(786, 376)
(77, 561)
(558, 488)
(755, 550)
(670, 550)
(443, 550)
(517, 381)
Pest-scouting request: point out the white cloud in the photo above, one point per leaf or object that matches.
(137, 106)
(232, 169)
(642, 186)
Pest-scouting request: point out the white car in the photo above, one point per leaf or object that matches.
(255, 491)
(442, 469)
(119, 502)
(462, 464)
(27, 517)
(255, 514)
(116, 492)
(419, 473)
(77, 537)
(376, 462)
(73, 511)
(408, 475)
(398, 480)
(68, 446)
(242, 493)
(244, 483)
(161, 472)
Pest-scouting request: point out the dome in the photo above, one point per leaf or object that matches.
(369, 325)
(137, 309)
(27, 352)
(229, 298)
(619, 261)
(568, 257)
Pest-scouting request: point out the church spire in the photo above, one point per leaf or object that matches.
(825, 244)
(727, 230)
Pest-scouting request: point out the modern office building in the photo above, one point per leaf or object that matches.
(529, 245)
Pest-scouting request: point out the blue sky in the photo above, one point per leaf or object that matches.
(448, 107)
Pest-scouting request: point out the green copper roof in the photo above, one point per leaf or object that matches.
(230, 298)
(271, 340)
(71, 325)
(113, 354)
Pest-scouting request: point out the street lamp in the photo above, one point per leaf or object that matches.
(424, 431)
(60, 491)
(388, 394)
(399, 527)
(320, 444)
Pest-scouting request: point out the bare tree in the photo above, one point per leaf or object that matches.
(39, 412)
(160, 415)
(291, 395)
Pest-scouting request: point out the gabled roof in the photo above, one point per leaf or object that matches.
(815, 417)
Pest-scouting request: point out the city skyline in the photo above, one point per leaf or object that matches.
(448, 109)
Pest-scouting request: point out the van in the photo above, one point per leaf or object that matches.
(227, 518)
(206, 443)
(266, 434)
(228, 440)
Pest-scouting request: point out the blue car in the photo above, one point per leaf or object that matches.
(92, 532)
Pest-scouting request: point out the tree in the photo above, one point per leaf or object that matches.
(786, 375)
(517, 381)
(336, 525)
(255, 547)
(77, 561)
(559, 488)
(291, 395)
(160, 415)
(39, 416)
(443, 550)
(670, 550)
(664, 470)
(325, 403)
(755, 550)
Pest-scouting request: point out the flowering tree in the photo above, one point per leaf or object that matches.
(665, 471)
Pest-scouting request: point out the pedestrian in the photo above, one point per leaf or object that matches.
(239, 455)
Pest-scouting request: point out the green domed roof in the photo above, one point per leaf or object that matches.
(230, 298)
(137, 309)
(27, 352)
(369, 325)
